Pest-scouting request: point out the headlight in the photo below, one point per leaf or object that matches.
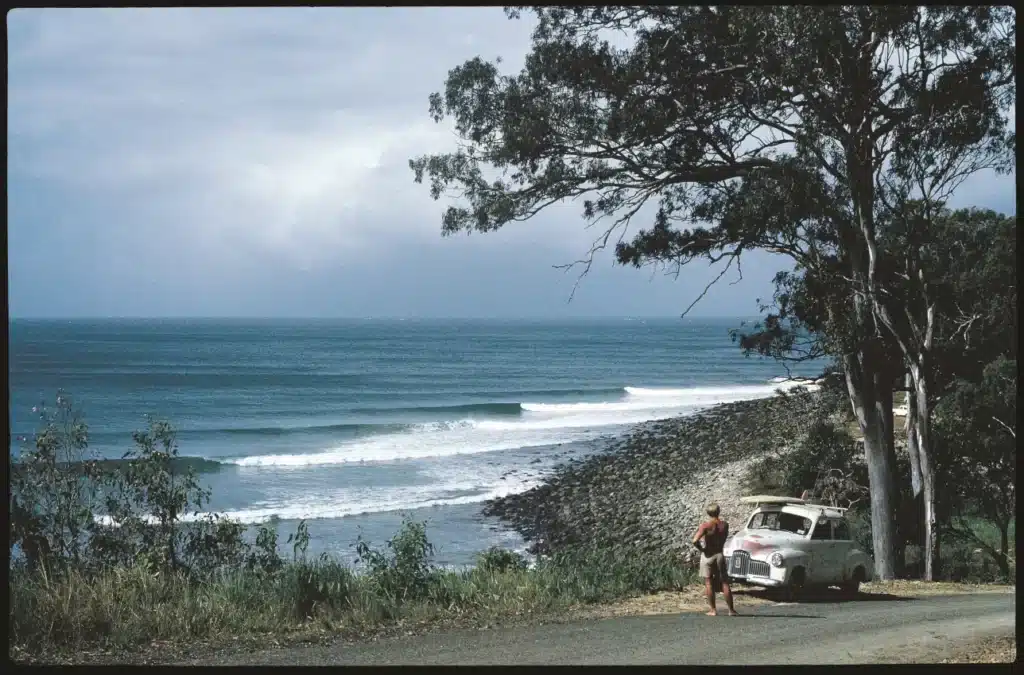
(777, 560)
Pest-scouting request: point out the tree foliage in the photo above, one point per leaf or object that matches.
(977, 451)
(743, 118)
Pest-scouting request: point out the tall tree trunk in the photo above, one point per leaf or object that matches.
(884, 381)
(862, 388)
(910, 426)
(1004, 549)
(918, 372)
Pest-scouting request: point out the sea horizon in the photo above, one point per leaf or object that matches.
(498, 319)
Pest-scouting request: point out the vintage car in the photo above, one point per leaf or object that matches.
(793, 545)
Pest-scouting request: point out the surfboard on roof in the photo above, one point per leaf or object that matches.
(771, 499)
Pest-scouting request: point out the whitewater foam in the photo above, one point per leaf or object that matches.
(607, 406)
(347, 503)
(540, 424)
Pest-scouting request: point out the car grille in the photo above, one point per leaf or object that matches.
(759, 569)
(738, 563)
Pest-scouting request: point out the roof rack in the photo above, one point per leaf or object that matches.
(771, 499)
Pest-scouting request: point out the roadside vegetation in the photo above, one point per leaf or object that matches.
(113, 558)
(977, 537)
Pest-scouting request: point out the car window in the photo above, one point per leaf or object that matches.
(822, 531)
(777, 520)
(840, 530)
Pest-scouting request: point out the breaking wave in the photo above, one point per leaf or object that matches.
(533, 425)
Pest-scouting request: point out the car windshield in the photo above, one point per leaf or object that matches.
(777, 520)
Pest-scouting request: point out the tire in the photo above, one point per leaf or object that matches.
(852, 587)
(796, 588)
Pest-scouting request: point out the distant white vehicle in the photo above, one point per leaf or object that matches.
(793, 545)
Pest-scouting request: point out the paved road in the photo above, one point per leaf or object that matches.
(919, 630)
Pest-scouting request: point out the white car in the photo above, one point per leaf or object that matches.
(791, 544)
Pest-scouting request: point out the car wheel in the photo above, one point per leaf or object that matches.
(797, 587)
(852, 587)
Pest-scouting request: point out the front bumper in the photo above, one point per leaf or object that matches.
(766, 582)
(776, 576)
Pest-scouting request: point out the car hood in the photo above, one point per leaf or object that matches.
(759, 541)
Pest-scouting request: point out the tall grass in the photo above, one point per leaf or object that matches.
(126, 607)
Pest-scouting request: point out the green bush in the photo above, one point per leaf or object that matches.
(859, 520)
(403, 571)
(53, 490)
(822, 452)
(324, 585)
(497, 559)
(69, 510)
(264, 556)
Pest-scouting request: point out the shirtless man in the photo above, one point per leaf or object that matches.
(712, 561)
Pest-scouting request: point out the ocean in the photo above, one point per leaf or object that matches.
(354, 424)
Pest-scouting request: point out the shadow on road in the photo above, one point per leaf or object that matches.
(776, 616)
(824, 597)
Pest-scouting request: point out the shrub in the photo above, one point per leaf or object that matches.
(212, 543)
(70, 510)
(264, 557)
(826, 461)
(148, 497)
(497, 559)
(53, 490)
(823, 450)
(403, 572)
(325, 584)
(594, 575)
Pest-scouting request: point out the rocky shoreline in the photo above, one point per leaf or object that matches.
(647, 492)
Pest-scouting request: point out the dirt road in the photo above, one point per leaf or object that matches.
(894, 630)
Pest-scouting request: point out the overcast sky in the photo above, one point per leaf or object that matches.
(253, 162)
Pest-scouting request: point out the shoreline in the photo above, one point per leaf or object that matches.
(670, 468)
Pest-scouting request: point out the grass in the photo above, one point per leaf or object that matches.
(1002, 649)
(130, 609)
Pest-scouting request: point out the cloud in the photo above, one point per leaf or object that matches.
(252, 130)
(233, 159)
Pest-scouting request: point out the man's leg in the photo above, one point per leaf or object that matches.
(707, 571)
(709, 591)
(726, 591)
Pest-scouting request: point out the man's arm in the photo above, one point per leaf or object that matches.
(697, 538)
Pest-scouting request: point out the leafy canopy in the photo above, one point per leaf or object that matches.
(747, 127)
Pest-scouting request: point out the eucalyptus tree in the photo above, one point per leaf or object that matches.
(770, 128)
(948, 300)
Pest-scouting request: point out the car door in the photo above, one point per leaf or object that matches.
(841, 546)
(819, 546)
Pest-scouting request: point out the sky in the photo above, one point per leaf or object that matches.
(254, 163)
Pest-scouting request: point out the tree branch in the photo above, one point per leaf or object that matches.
(1005, 426)
(732, 257)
